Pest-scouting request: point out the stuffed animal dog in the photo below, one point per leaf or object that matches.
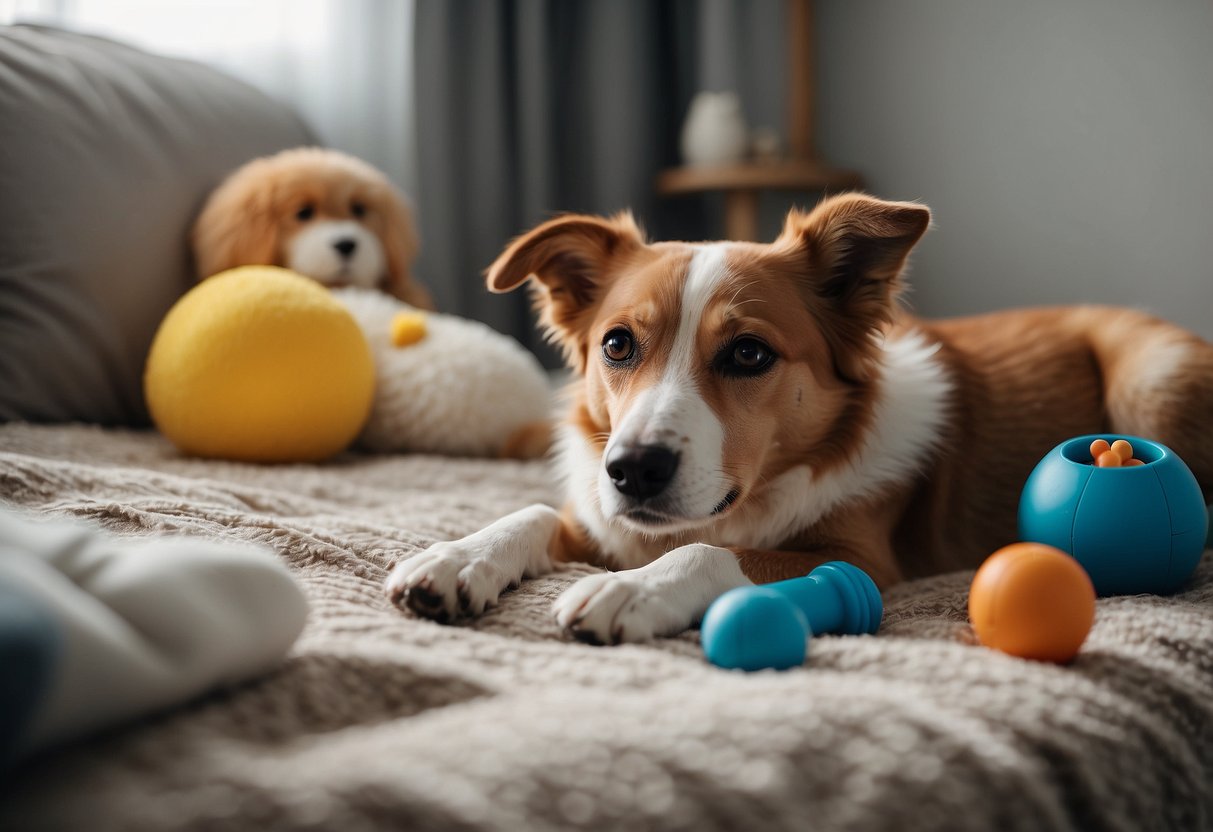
(459, 388)
(318, 212)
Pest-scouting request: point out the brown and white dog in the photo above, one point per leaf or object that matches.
(745, 412)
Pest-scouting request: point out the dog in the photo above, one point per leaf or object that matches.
(319, 212)
(743, 413)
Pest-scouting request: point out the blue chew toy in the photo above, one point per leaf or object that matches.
(768, 626)
(1134, 530)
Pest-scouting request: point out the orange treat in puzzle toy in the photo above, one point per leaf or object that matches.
(1118, 454)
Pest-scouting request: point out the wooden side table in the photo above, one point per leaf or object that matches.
(742, 182)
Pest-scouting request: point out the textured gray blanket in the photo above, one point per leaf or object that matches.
(380, 720)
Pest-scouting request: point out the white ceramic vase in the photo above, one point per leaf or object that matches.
(715, 131)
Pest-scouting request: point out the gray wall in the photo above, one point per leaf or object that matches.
(1066, 148)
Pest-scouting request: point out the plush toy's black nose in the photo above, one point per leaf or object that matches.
(345, 246)
(642, 471)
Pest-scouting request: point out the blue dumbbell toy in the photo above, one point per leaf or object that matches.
(1138, 528)
(768, 626)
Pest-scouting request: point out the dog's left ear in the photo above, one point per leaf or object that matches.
(569, 261)
(855, 248)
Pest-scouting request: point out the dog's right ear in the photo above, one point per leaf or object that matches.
(568, 260)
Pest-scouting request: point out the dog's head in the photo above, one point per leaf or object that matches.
(709, 369)
(319, 212)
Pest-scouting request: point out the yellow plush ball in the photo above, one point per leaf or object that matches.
(259, 364)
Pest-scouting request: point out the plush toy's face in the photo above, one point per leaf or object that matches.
(331, 242)
(318, 212)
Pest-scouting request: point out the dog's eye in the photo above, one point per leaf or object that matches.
(745, 357)
(305, 213)
(358, 209)
(618, 346)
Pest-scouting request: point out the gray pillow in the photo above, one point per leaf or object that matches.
(106, 155)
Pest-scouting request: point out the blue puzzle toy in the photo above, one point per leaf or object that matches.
(1134, 529)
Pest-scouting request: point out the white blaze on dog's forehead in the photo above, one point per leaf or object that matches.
(673, 412)
(663, 410)
(705, 274)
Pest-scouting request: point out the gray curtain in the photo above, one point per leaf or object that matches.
(528, 108)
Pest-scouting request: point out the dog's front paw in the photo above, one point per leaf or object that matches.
(617, 607)
(661, 599)
(448, 580)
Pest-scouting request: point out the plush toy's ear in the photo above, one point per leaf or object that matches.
(853, 249)
(401, 244)
(238, 226)
(569, 260)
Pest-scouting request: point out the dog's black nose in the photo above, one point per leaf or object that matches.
(345, 246)
(642, 471)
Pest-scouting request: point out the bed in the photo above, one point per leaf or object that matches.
(378, 719)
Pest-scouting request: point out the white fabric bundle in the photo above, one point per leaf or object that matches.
(128, 627)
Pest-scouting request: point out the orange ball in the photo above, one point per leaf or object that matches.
(1032, 601)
